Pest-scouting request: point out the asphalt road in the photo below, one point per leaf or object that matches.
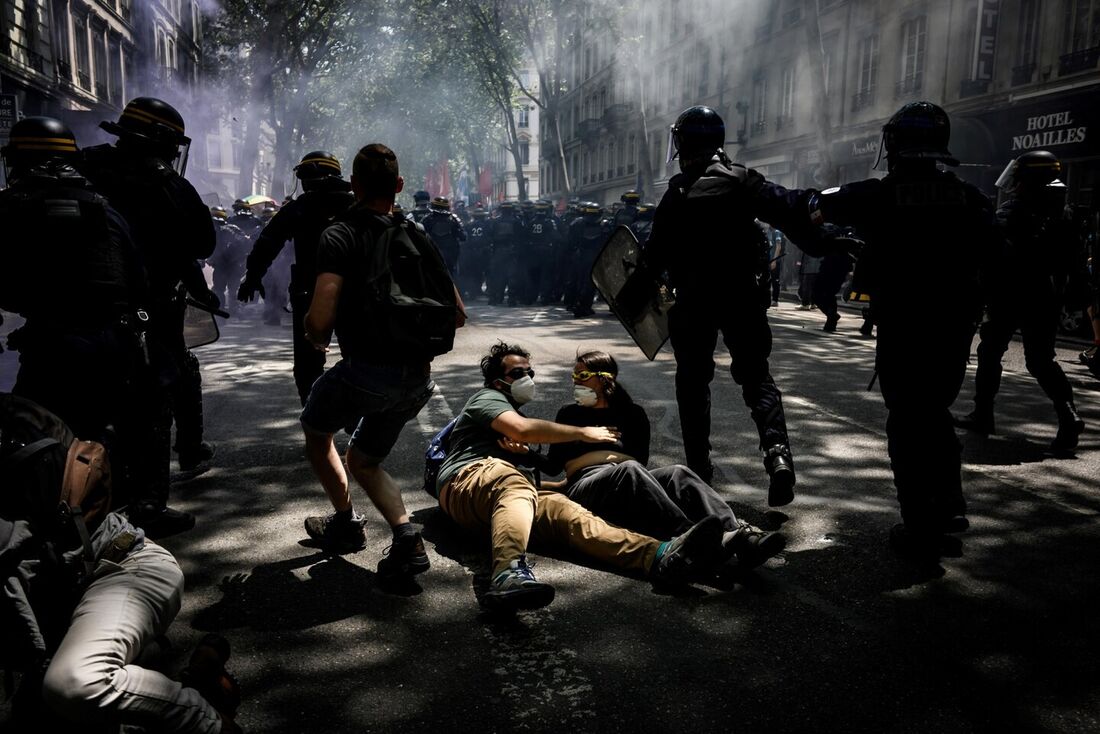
(834, 635)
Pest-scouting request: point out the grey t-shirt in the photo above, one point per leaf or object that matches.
(472, 438)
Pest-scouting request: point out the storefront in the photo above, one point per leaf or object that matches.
(1066, 124)
(855, 157)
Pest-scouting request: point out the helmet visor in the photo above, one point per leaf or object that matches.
(671, 152)
(1007, 176)
(180, 163)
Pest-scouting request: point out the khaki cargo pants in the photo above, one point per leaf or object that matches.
(491, 494)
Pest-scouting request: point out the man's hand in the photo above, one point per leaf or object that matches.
(248, 290)
(599, 434)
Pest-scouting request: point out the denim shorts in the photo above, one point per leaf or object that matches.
(377, 399)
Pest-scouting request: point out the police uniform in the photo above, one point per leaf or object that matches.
(446, 232)
(587, 236)
(507, 229)
(473, 262)
(302, 219)
(920, 211)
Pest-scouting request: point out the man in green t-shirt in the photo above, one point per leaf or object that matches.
(481, 488)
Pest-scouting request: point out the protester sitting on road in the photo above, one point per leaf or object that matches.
(384, 377)
(611, 479)
(482, 486)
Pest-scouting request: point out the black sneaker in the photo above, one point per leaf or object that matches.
(517, 588)
(867, 328)
(191, 459)
(405, 557)
(780, 467)
(690, 555)
(1070, 428)
(752, 546)
(336, 535)
(161, 522)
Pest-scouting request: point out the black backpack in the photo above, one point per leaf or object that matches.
(410, 295)
(435, 455)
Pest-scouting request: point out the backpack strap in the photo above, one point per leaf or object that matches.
(22, 454)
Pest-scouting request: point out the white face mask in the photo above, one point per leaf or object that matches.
(585, 396)
(523, 390)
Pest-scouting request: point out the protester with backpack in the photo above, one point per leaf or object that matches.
(85, 592)
(385, 290)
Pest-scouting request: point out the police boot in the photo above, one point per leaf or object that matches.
(979, 420)
(830, 322)
(780, 467)
(1070, 427)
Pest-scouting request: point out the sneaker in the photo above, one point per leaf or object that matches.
(775, 304)
(1070, 428)
(780, 467)
(1087, 356)
(691, 554)
(161, 522)
(752, 546)
(338, 536)
(517, 588)
(189, 460)
(803, 307)
(404, 557)
(976, 421)
(867, 328)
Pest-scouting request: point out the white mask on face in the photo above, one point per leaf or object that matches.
(523, 390)
(584, 396)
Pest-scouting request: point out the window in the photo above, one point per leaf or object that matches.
(523, 117)
(912, 54)
(114, 71)
(213, 153)
(786, 97)
(1027, 42)
(759, 104)
(868, 73)
(99, 57)
(1081, 24)
(83, 60)
(525, 153)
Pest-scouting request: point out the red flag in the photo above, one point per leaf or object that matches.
(485, 182)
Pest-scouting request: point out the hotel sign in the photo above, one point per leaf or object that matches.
(1049, 130)
(985, 40)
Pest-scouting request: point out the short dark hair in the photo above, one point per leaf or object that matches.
(492, 364)
(375, 168)
(597, 361)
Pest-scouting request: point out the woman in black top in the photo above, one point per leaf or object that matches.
(612, 480)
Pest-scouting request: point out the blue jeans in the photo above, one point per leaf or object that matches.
(377, 399)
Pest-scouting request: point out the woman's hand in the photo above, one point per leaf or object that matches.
(516, 447)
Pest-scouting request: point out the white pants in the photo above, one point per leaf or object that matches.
(92, 678)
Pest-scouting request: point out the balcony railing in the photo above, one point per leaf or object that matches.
(1022, 74)
(617, 114)
(1083, 60)
(861, 100)
(908, 85)
(973, 87)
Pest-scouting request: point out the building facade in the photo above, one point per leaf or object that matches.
(505, 184)
(805, 93)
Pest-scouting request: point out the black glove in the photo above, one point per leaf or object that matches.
(248, 290)
(842, 239)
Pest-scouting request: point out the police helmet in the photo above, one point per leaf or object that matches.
(507, 206)
(155, 123)
(698, 131)
(36, 139)
(268, 212)
(318, 164)
(441, 203)
(590, 207)
(646, 210)
(543, 206)
(919, 130)
(631, 197)
(479, 212)
(526, 205)
(421, 195)
(219, 212)
(240, 206)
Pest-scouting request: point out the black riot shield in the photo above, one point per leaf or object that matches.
(634, 294)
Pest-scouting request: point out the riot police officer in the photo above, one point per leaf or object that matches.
(543, 241)
(245, 219)
(507, 229)
(462, 212)
(141, 175)
(920, 210)
(643, 223)
(446, 231)
(473, 263)
(587, 236)
(1026, 291)
(303, 219)
(72, 270)
(228, 258)
(628, 213)
(705, 236)
(420, 206)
